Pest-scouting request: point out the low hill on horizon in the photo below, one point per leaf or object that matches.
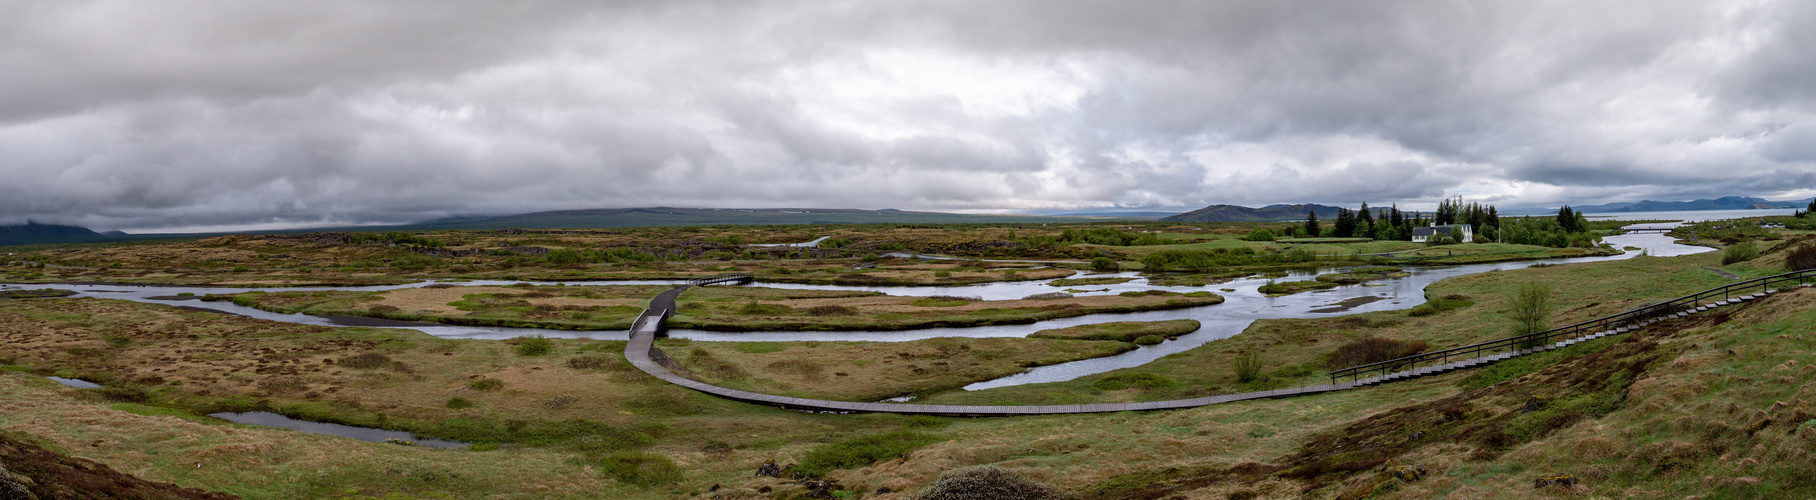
(31, 233)
(1270, 213)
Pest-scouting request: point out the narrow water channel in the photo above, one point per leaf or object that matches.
(1243, 305)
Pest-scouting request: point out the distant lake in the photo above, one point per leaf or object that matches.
(1689, 215)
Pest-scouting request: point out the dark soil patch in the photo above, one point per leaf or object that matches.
(50, 476)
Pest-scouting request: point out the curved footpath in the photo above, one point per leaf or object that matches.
(642, 353)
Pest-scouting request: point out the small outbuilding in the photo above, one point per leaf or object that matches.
(1423, 234)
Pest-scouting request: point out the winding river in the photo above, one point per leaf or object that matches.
(1243, 305)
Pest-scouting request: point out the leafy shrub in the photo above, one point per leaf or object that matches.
(486, 384)
(1260, 234)
(1373, 349)
(1104, 264)
(985, 482)
(1148, 340)
(862, 451)
(535, 345)
(1248, 366)
(640, 468)
(459, 403)
(1801, 258)
(1143, 381)
(365, 361)
(1740, 252)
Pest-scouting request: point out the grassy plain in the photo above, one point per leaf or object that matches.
(872, 371)
(1715, 405)
(750, 309)
(1124, 331)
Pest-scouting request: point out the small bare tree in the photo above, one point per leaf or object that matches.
(1531, 308)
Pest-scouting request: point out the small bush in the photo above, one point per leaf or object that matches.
(944, 301)
(862, 451)
(1531, 308)
(985, 482)
(1260, 234)
(1374, 350)
(1104, 264)
(1248, 366)
(459, 403)
(1148, 340)
(1740, 252)
(1800, 258)
(1422, 310)
(831, 310)
(942, 274)
(640, 468)
(536, 345)
(589, 362)
(770, 309)
(924, 422)
(365, 361)
(1143, 381)
(1048, 296)
(486, 384)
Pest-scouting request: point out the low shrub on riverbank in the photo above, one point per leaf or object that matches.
(862, 451)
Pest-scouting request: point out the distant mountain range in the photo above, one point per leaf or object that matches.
(1270, 213)
(669, 216)
(1723, 203)
(33, 233)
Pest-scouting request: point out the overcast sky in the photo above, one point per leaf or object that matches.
(233, 114)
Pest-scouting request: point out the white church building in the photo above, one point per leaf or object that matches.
(1421, 234)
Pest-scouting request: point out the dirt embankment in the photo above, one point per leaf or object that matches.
(28, 471)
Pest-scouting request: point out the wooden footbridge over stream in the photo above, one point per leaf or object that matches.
(642, 353)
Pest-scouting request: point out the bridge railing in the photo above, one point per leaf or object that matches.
(645, 318)
(721, 278)
(1522, 342)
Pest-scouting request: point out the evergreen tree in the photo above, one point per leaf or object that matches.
(1365, 224)
(1311, 224)
(1346, 223)
(1566, 219)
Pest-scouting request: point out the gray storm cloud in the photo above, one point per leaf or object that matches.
(131, 115)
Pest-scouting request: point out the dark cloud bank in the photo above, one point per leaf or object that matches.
(135, 115)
